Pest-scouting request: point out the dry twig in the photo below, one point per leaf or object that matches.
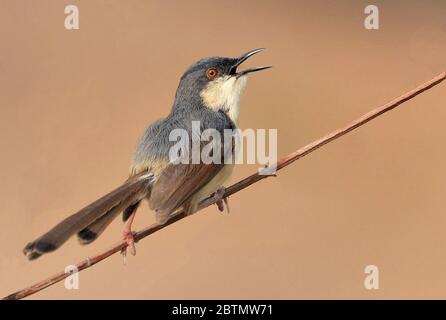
(236, 187)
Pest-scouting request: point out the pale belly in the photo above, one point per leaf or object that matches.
(212, 185)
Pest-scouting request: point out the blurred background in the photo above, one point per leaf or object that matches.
(73, 104)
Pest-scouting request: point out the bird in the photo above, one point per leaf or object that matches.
(208, 94)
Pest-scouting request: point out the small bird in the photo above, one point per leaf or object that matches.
(208, 93)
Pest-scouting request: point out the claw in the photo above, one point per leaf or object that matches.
(226, 204)
(221, 201)
(124, 255)
(129, 238)
(220, 205)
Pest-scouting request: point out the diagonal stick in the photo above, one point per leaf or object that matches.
(242, 184)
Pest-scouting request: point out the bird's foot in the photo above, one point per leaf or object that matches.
(129, 237)
(220, 200)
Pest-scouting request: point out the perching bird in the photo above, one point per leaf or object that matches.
(209, 92)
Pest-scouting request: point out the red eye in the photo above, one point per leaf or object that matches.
(211, 73)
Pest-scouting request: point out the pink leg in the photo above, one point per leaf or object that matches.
(220, 201)
(128, 235)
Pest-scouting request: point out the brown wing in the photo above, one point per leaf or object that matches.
(178, 182)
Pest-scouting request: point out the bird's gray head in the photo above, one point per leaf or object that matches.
(215, 83)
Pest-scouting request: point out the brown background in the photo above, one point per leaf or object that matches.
(73, 104)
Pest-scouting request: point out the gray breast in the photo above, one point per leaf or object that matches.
(154, 144)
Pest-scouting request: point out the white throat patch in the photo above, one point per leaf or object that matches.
(224, 94)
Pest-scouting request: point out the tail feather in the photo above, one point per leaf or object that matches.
(94, 230)
(102, 210)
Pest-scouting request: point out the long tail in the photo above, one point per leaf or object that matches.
(94, 230)
(90, 221)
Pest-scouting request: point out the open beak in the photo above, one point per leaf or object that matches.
(243, 58)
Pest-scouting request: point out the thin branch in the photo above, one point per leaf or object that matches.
(235, 187)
